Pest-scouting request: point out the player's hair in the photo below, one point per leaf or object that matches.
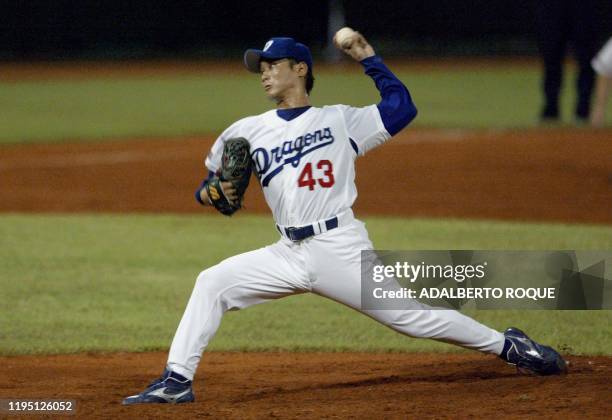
(309, 77)
(309, 81)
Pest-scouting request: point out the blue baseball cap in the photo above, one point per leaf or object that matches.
(275, 49)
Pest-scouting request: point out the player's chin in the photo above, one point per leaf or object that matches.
(272, 96)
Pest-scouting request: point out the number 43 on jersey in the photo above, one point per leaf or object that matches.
(323, 175)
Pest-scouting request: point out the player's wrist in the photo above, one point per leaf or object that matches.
(205, 197)
(371, 59)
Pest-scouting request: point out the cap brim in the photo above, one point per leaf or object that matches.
(251, 60)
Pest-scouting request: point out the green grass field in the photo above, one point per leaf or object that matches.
(113, 282)
(43, 111)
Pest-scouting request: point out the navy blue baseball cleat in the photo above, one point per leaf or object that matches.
(527, 355)
(169, 388)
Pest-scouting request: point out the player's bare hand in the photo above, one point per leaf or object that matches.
(229, 191)
(353, 44)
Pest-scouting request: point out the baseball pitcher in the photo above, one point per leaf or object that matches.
(304, 159)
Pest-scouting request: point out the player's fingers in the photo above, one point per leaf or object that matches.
(340, 47)
(361, 41)
(229, 191)
(231, 195)
(365, 49)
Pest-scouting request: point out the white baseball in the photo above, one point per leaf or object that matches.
(344, 37)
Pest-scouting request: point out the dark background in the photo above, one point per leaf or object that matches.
(65, 29)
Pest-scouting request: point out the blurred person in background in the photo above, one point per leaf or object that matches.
(558, 23)
(602, 64)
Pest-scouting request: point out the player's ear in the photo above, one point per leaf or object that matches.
(302, 69)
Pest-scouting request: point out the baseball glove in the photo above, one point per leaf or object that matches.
(235, 168)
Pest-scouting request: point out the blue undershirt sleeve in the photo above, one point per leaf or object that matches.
(396, 107)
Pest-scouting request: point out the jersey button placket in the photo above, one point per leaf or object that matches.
(290, 183)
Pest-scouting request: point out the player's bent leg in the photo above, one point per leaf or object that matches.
(236, 283)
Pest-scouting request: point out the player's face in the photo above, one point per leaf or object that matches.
(279, 77)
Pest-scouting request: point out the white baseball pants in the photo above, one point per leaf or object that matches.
(328, 264)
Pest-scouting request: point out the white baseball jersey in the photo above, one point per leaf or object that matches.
(306, 165)
(602, 63)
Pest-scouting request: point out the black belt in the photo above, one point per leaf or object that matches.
(300, 233)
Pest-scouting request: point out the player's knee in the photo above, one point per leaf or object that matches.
(209, 281)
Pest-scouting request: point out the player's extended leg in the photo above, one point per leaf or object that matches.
(236, 283)
(338, 276)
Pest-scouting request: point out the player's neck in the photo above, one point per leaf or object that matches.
(293, 100)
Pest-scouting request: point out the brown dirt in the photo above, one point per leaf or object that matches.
(560, 175)
(314, 385)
